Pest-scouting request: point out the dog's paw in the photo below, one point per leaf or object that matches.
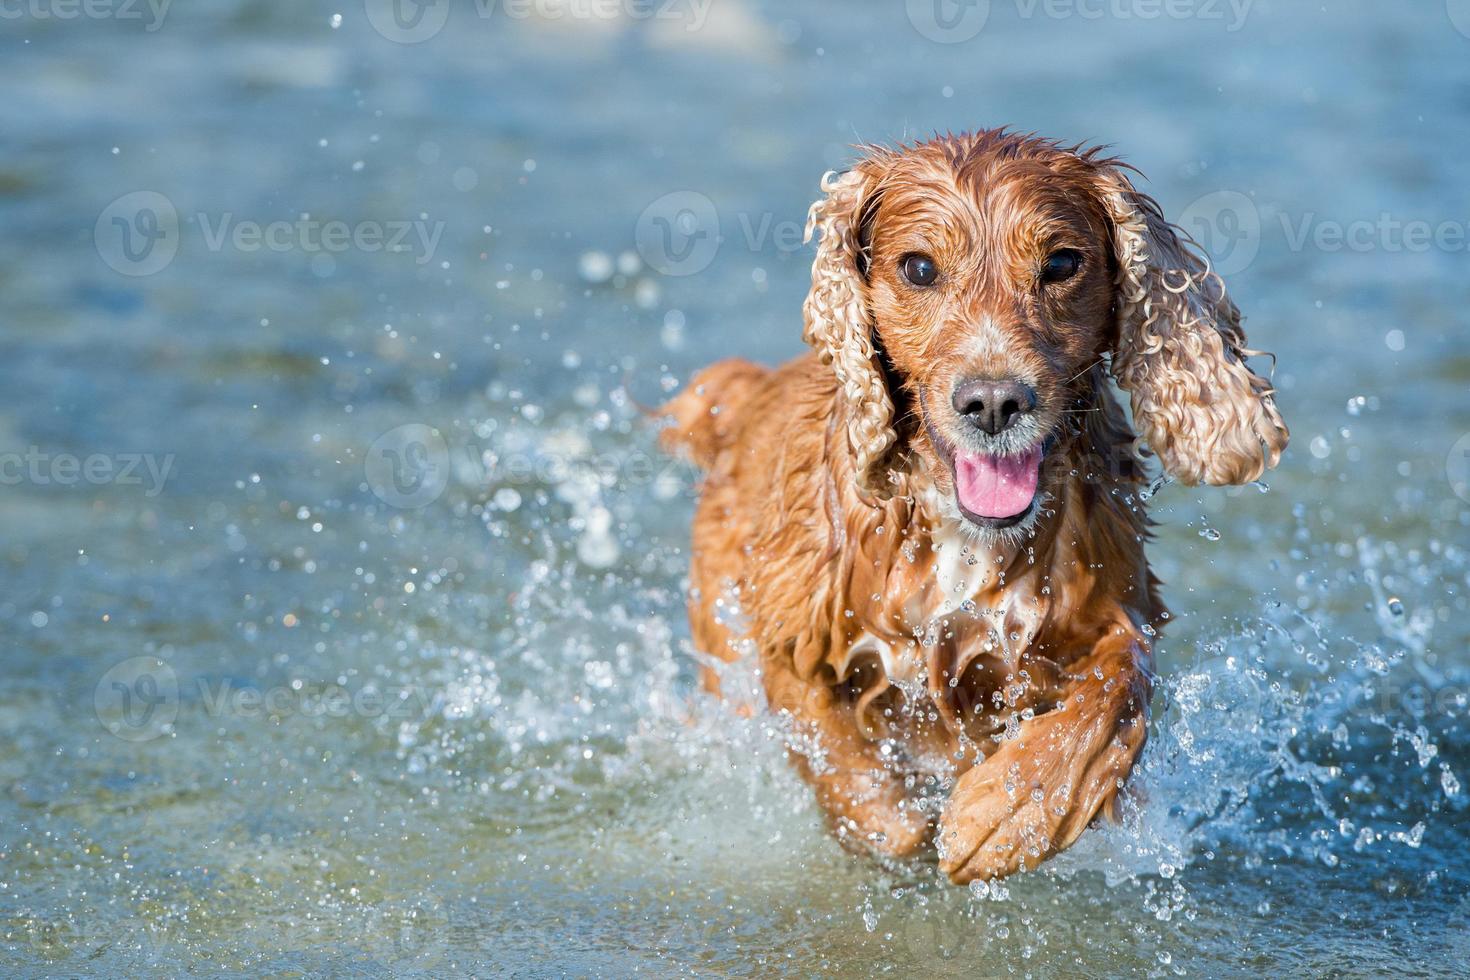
(1035, 795)
(872, 814)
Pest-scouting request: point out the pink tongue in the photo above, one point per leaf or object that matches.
(997, 486)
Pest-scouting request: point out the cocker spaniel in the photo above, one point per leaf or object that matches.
(931, 530)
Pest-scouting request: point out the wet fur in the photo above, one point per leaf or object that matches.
(939, 676)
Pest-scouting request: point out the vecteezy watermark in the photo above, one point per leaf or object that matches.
(81, 932)
(311, 699)
(948, 21)
(408, 466)
(412, 465)
(682, 232)
(139, 234)
(407, 21)
(1457, 467)
(417, 21)
(1417, 699)
(1229, 226)
(1382, 233)
(150, 13)
(939, 939)
(418, 237)
(679, 234)
(39, 468)
(956, 21)
(940, 942)
(138, 700)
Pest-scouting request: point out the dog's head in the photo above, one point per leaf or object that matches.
(975, 282)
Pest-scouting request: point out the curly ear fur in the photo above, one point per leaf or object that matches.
(838, 326)
(1181, 352)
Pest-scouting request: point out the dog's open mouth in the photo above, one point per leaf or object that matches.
(992, 490)
(997, 491)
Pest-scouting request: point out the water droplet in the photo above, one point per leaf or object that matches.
(506, 499)
(595, 267)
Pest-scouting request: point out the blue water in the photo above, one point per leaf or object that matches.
(275, 704)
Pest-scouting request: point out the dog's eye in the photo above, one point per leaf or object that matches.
(919, 269)
(1061, 266)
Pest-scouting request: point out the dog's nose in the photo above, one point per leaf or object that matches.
(993, 406)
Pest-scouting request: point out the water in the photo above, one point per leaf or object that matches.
(264, 713)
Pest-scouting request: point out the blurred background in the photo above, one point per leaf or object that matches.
(341, 580)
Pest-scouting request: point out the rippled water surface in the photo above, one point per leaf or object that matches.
(274, 704)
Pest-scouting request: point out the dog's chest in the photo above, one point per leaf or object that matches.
(961, 569)
(947, 600)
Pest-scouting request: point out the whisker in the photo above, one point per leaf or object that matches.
(1086, 369)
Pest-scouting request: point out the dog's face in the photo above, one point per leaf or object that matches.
(990, 284)
(971, 283)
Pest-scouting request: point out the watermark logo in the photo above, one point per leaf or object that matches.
(1457, 467)
(693, 12)
(138, 234)
(137, 700)
(1232, 13)
(412, 465)
(1384, 233)
(407, 21)
(679, 234)
(1459, 11)
(955, 21)
(417, 21)
(80, 932)
(1227, 225)
(1230, 228)
(148, 12)
(419, 237)
(43, 469)
(948, 21)
(408, 466)
(940, 942)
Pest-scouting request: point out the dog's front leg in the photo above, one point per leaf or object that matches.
(865, 800)
(1041, 788)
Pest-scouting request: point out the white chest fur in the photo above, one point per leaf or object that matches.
(962, 566)
(949, 609)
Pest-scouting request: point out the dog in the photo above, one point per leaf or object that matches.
(930, 529)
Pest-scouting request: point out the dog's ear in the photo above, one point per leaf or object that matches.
(839, 326)
(1180, 351)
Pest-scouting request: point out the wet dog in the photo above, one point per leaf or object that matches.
(931, 529)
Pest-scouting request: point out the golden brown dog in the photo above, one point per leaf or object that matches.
(931, 530)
